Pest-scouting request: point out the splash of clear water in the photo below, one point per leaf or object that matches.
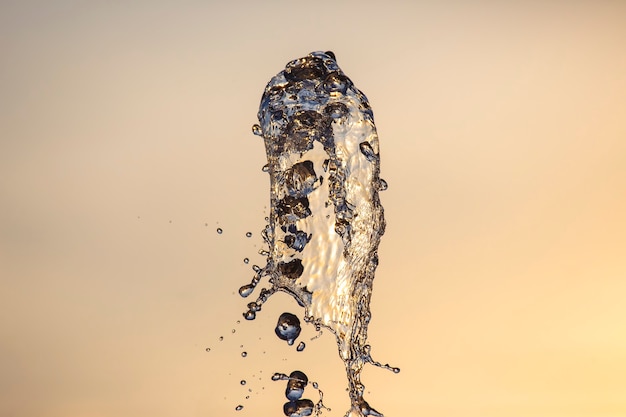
(325, 219)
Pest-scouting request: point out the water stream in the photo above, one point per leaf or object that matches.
(325, 220)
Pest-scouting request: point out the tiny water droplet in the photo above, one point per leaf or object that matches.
(239, 407)
(300, 347)
(246, 260)
(256, 129)
(279, 376)
(207, 349)
(219, 230)
(243, 382)
(396, 370)
(248, 234)
(247, 396)
(266, 168)
(244, 354)
(233, 330)
(221, 338)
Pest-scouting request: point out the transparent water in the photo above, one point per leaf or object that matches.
(325, 219)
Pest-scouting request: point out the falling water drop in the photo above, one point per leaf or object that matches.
(248, 234)
(244, 354)
(219, 230)
(295, 385)
(243, 382)
(239, 407)
(300, 346)
(288, 328)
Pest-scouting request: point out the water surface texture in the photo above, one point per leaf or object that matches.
(325, 220)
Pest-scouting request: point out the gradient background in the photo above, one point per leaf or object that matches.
(125, 142)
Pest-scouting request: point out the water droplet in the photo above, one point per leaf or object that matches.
(256, 129)
(314, 385)
(249, 315)
(208, 349)
(366, 149)
(288, 328)
(246, 260)
(247, 397)
(248, 234)
(295, 385)
(239, 407)
(246, 290)
(396, 370)
(233, 331)
(243, 382)
(256, 268)
(265, 168)
(244, 354)
(221, 338)
(219, 230)
(299, 408)
(279, 376)
(382, 185)
(300, 347)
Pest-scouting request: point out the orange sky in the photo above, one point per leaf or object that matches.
(125, 142)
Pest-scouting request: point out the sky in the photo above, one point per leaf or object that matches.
(125, 142)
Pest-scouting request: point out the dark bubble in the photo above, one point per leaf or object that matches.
(366, 149)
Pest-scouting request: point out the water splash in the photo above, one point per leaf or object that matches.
(325, 219)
